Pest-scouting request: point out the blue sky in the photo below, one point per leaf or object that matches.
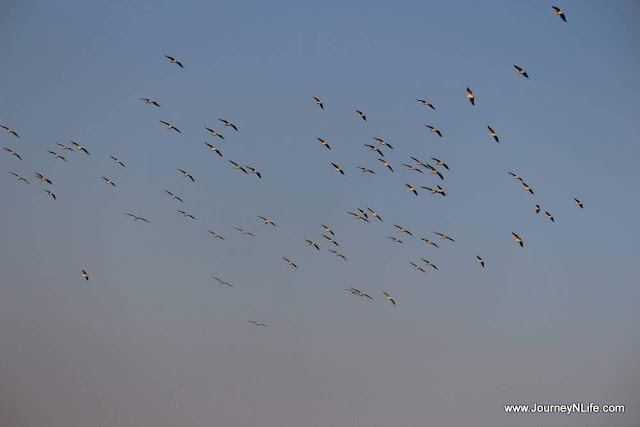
(553, 322)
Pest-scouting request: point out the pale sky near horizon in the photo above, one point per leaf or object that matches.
(553, 322)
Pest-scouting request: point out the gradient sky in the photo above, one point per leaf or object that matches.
(553, 322)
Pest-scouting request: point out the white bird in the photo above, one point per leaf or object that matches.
(312, 243)
(327, 230)
(244, 232)
(374, 214)
(471, 97)
(187, 175)
(479, 260)
(50, 193)
(324, 143)
(213, 149)
(257, 323)
(57, 156)
(338, 254)
(411, 189)
(417, 267)
(559, 13)
(11, 131)
(434, 129)
(229, 124)
(366, 170)
(517, 239)
(149, 101)
(12, 153)
(362, 115)
(85, 275)
(222, 282)
(136, 217)
(429, 263)
(18, 177)
(289, 262)
(214, 133)
(403, 230)
(383, 142)
(521, 71)
(80, 148)
(429, 242)
(266, 221)
(318, 102)
(108, 181)
(440, 163)
(216, 236)
(385, 163)
(444, 236)
(387, 297)
(43, 178)
(426, 104)
(337, 168)
(115, 159)
(186, 214)
(578, 203)
(170, 126)
(493, 134)
(173, 60)
(173, 196)
(254, 171)
(330, 240)
(237, 166)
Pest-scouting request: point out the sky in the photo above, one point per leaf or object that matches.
(153, 339)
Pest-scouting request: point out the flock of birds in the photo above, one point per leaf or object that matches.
(435, 167)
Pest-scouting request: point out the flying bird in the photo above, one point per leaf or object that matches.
(108, 181)
(387, 297)
(365, 170)
(411, 189)
(493, 134)
(244, 231)
(419, 162)
(429, 263)
(214, 133)
(559, 13)
(149, 101)
(237, 166)
(289, 262)
(471, 97)
(362, 115)
(327, 229)
(213, 149)
(330, 240)
(215, 235)
(222, 282)
(56, 155)
(359, 215)
(11, 131)
(50, 193)
(136, 217)
(318, 103)
(403, 230)
(227, 123)
(383, 142)
(12, 153)
(537, 208)
(440, 163)
(385, 163)
(186, 214)
(435, 171)
(521, 71)
(526, 187)
(578, 203)
(374, 214)
(417, 267)
(429, 242)
(170, 126)
(187, 175)
(19, 178)
(426, 104)
(257, 324)
(438, 190)
(311, 243)
(43, 178)
(323, 143)
(375, 149)
(518, 239)
(444, 236)
(65, 147)
(80, 148)
(480, 260)
(337, 168)
(412, 168)
(549, 216)
(338, 254)
(115, 159)
(395, 239)
(266, 221)
(255, 171)
(85, 275)
(358, 292)
(173, 196)
(433, 129)
(173, 60)
(519, 178)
